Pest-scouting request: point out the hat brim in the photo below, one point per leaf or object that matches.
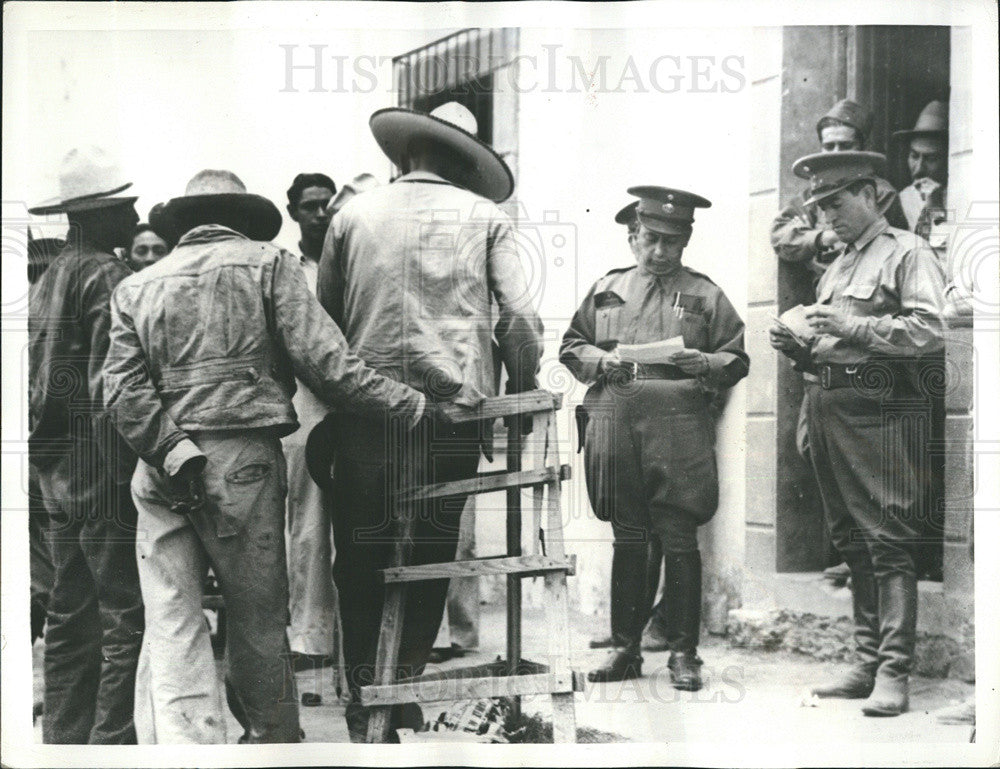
(489, 176)
(320, 452)
(815, 198)
(664, 227)
(105, 199)
(263, 219)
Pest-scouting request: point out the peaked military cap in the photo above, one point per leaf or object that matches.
(627, 215)
(830, 172)
(849, 113)
(666, 210)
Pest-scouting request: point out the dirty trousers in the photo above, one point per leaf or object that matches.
(240, 534)
(94, 628)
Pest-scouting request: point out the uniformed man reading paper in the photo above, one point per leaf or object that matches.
(876, 320)
(650, 439)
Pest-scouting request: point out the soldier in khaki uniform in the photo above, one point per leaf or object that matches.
(650, 440)
(876, 321)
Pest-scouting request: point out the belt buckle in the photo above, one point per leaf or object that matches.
(825, 377)
(851, 371)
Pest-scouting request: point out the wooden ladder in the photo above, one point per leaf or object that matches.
(512, 677)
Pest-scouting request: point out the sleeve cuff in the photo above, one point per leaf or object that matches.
(180, 454)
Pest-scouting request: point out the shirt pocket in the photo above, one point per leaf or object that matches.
(860, 298)
(695, 330)
(607, 318)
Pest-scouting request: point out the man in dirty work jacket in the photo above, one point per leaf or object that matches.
(205, 346)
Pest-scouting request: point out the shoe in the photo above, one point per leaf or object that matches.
(311, 699)
(440, 654)
(606, 642)
(856, 684)
(890, 697)
(838, 574)
(621, 665)
(964, 713)
(685, 671)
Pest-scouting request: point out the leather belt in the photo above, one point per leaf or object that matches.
(836, 375)
(659, 371)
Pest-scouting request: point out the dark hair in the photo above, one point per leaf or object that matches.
(158, 231)
(855, 187)
(308, 180)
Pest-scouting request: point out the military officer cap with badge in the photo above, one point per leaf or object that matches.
(832, 172)
(665, 210)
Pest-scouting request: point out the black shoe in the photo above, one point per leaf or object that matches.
(838, 574)
(607, 642)
(621, 665)
(685, 671)
(311, 699)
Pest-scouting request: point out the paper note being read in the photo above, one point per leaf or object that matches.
(794, 322)
(651, 352)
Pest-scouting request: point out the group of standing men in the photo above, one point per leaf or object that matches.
(160, 399)
(172, 388)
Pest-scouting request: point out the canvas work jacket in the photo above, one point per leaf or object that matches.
(68, 326)
(211, 338)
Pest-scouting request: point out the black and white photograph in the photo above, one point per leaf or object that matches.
(541, 383)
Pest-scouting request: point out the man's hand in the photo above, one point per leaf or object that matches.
(828, 239)
(187, 487)
(824, 319)
(613, 367)
(782, 340)
(693, 362)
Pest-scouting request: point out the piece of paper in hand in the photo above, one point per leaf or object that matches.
(651, 352)
(795, 322)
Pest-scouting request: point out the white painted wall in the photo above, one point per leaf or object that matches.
(174, 102)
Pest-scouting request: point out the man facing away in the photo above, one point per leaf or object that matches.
(877, 318)
(205, 347)
(410, 271)
(94, 621)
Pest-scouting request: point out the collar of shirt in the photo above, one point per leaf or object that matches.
(207, 233)
(423, 176)
(874, 229)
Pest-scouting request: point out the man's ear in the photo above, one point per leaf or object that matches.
(291, 212)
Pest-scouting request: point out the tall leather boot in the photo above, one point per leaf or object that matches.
(683, 590)
(858, 681)
(897, 609)
(629, 611)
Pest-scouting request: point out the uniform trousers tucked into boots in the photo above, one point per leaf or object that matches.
(240, 534)
(861, 447)
(370, 465)
(95, 620)
(651, 471)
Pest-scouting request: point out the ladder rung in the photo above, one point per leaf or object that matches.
(531, 402)
(445, 689)
(524, 565)
(485, 483)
